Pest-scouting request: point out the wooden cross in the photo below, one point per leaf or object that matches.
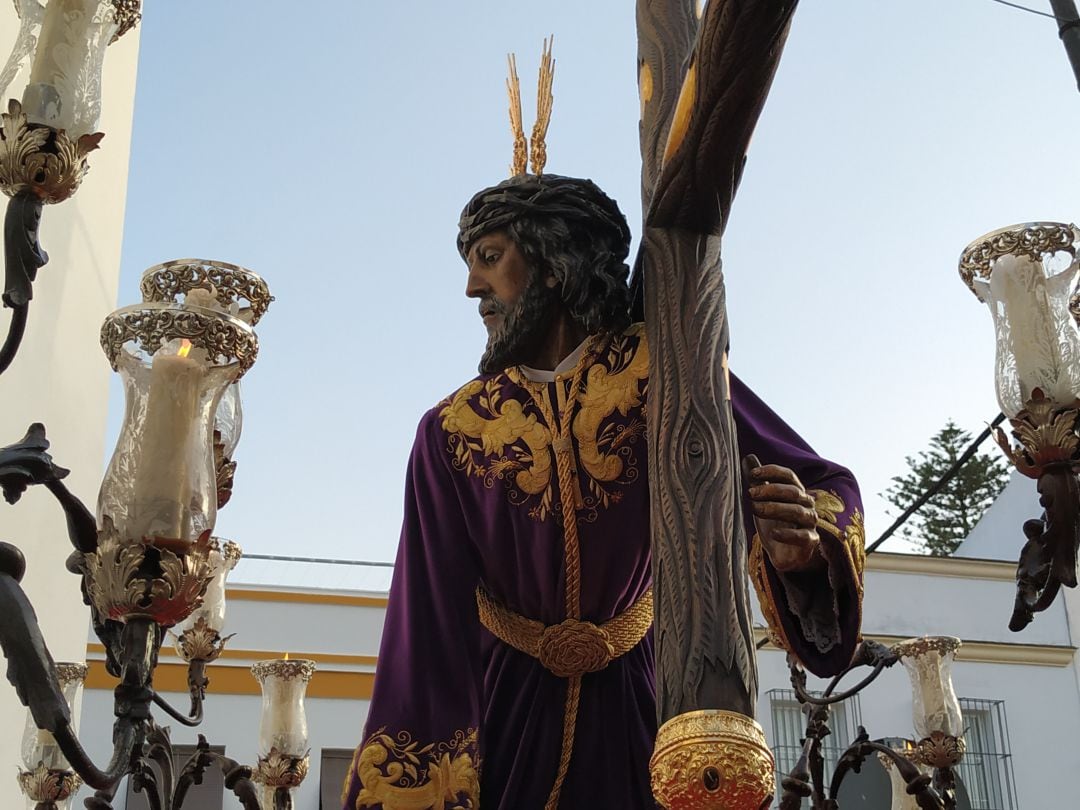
(703, 78)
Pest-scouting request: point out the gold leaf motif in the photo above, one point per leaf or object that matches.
(1047, 436)
(278, 770)
(40, 160)
(119, 590)
(502, 440)
(45, 785)
(382, 766)
(940, 750)
(200, 642)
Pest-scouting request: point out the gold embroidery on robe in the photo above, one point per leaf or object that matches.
(774, 629)
(498, 439)
(400, 774)
(829, 507)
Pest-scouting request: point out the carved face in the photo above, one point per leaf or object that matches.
(517, 302)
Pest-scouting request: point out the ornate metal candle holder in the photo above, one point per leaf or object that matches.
(48, 780)
(46, 137)
(283, 738)
(928, 661)
(712, 760)
(148, 562)
(1027, 275)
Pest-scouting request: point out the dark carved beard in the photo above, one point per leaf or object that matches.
(521, 335)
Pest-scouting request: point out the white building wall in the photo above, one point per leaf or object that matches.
(60, 376)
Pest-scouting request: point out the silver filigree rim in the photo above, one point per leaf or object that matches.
(71, 671)
(915, 647)
(286, 669)
(239, 344)
(244, 285)
(978, 257)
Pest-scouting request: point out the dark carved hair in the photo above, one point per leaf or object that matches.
(565, 226)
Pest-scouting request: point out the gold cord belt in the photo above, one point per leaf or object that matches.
(573, 647)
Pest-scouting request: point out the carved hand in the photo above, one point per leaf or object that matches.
(785, 517)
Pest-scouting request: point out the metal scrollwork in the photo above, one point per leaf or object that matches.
(1035, 239)
(278, 770)
(1047, 436)
(940, 750)
(120, 588)
(231, 283)
(153, 324)
(40, 160)
(45, 785)
(127, 14)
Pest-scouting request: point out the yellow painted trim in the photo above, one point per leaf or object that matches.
(261, 655)
(983, 652)
(304, 597)
(959, 567)
(231, 680)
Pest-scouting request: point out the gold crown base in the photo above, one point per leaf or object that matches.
(712, 760)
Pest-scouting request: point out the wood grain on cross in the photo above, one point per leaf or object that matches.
(703, 82)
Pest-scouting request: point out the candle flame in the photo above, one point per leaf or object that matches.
(185, 348)
(286, 656)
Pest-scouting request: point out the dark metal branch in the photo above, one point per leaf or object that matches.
(919, 784)
(23, 257)
(870, 653)
(16, 330)
(195, 718)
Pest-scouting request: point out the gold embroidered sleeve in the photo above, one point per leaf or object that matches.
(852, 536)
(774, 630)
(398, 773)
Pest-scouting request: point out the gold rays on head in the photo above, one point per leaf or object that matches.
(544, 99)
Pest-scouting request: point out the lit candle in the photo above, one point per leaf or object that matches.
(161, 479)
(62, 51)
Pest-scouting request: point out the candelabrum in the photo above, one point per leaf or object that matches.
(148, 561)
(1027, 275)
(922, 774)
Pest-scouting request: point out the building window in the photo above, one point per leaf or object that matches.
(210, 795)
(986, 770)
(789, 727)
(334, 769)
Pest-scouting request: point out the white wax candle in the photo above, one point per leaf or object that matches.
(162, 495)
(62, 51)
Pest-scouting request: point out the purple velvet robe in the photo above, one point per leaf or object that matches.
(457, 713)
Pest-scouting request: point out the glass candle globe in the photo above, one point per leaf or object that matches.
(39, 747)
(64, 90)
(928, 662)
(161, 484)
(1026, 274)
(283, 724)
(224, 555)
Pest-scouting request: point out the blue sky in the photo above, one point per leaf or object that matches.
(330, 146)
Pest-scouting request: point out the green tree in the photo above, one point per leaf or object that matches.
(948, 517)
